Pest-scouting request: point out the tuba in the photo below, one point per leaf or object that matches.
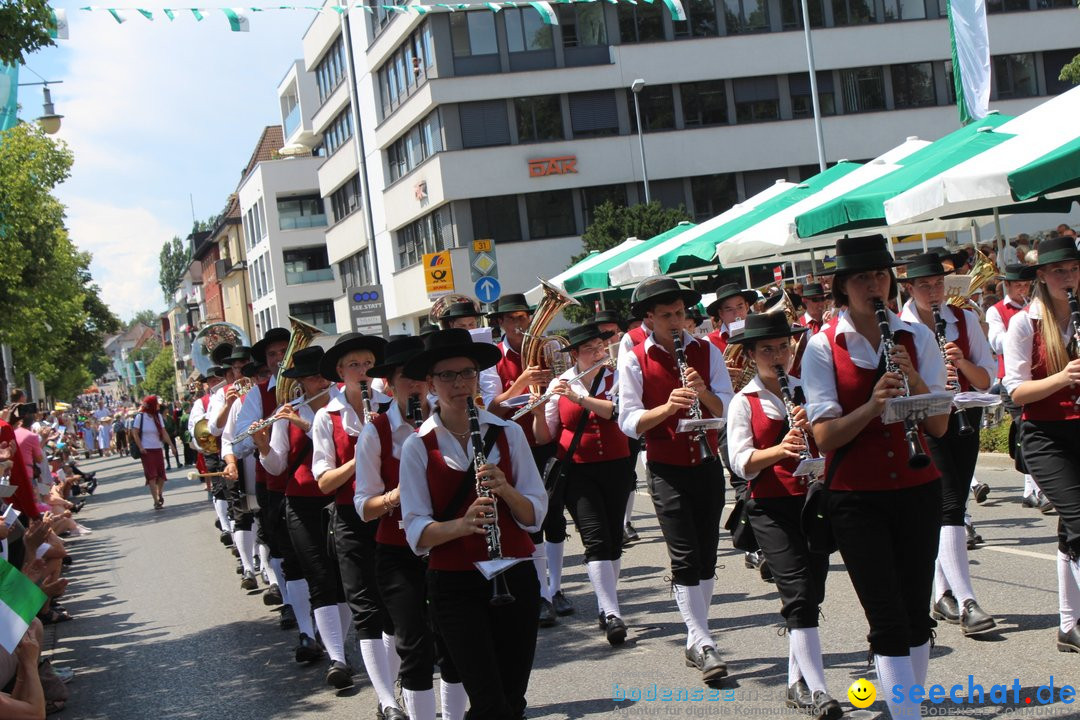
(435, 314)
(209, 337)
(206, 440)
(536, 346)
(736, 359)
(982, 274)
(288, 389)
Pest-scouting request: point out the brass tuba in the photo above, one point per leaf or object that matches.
(209, 337)
(288, 389)
(736, 359)
(533, 346)
(206, 440)
(982, 274)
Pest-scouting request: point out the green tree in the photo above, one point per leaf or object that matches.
(83, 358)
(172, 264)
(1071, 72)
(161, 375)
(24, 27)
(149, 318)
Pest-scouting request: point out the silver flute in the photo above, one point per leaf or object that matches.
(267, 422)
(500, 593)
(606, 362)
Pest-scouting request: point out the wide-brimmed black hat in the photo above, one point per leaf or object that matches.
(240, 353)
(607, 316)
(766, 326)
(305, 362)
(452, 343)
(215, 371)
(655, 291)
(856, 254)
(924, 266)
(221, 352)
(460, 310)
(398, 352)
(1014, 272)
(427, 328)
(729, 291)
(813, 290)
(252, 368)
(584, 333)
(1052, 250)
(347, 343)
(514, 302)
(273, 335)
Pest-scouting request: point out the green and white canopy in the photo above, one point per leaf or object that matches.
(594, 279)
(591, 260)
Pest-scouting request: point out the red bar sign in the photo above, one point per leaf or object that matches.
(778, 274)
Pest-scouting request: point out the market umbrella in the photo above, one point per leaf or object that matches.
(595, 278)
(592, 259)
(1056, 171)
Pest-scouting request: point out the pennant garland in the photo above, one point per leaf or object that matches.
(58, 30)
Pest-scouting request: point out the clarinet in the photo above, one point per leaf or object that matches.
(705, 453)
(414, 412)
(500, 593)
(365, 396)
(917, 459)
(1074, 310)
(963, 426)
(790, 407)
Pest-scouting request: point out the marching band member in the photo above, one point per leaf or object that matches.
(207, 463)
(766, 449)
(732, 304)
(240, 477)
(337, 427)
(1042, 370)
(954, 455)
(594, 455)
(492, 646)
(816, 302)
(687, 488)
(465, 315)
(400, 573)
(885, 514)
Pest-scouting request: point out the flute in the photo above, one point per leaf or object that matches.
(260, 424)
(963, 426)
(606, 362)
(917, 459)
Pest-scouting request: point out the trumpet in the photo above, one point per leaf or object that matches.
(365, 395)
(963, 426)
(500, 592)
(791, 408)
(706, 452)
(267, 422)
(606, 362)
(243, 386)
(917, 459)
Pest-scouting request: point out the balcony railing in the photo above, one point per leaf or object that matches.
(292, 120)
(309, 276)
(300, 222)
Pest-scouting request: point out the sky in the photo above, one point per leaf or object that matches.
(159, 116)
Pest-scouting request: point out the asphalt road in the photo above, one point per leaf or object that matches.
(163, 630)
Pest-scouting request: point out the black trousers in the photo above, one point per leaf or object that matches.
(189, 455)
(261, 533)
(492, 647)
(889, 542)
(688, 502)
(402, 578)
(1052, 452)
(800, 574)
(1016, 450)
(121, 442)
(308, 523)
(553, 529)
(354, 542)
(596, 495)
(277, 531)
(955, 456)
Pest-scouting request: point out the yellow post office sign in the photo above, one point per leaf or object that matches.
(438, 274)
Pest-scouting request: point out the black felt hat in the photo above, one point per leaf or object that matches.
(658, 290)
(460, 310)
(452, 343)
(514, 302)
(1053, 250)
(607, 316)
(925, 265)
(427, 328)
(813, 290)
(584, 333)
(347, 343)
(856, 254)
(729, 291)
(273, 335)
(240, 353)
(766, 326)
(1014, 272)
(215, 371)
(305, 362)
(398, 352)
(252, 369)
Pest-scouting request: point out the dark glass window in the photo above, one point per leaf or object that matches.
(853, 12)
(539, 118)
(346, 199)
(756, 99)
(746, 16)
(355, 270)
(473, 33)
(306, 265)
(339, 131)
(593, 197)
(550, 214)
(801, 102)
(913, 85)
(998, 6)
(754, 181)
(525, 30)
(950, 84)
(905, 10)
(421, 142)
(641, 23)
(330, 71)
(319, 313)
(1015, 75)
(583, 24)
(1053, 62)
(704, 103)
(432, 233)
(657, 108)
(864, 89)
(791, 14)
(700, 20)
(669, 193)
(713, 194)
(300, 211)
(593, 114)
(484, 123)
(496, 218)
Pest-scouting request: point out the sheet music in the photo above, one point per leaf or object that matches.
(690, 425)
(810, 466)
(967, 400)
(916, 407)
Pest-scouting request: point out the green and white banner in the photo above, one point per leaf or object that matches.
(9, 92)
(970, 58)
(20, 601)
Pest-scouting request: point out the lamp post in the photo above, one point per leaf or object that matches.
(49, 120)
(636, 87)
(811, 66)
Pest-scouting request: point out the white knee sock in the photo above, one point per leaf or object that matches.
(893, 671)
(616, 565)
(1068, 592)
(806, 646)
(602, 576)
(539, 559)
(630, 507)
(277, 576)
(974, 481)
(453, 698)
(264, 563)
(1030, 486)
(941, 583)
(345, 613)
(393, 660)
(952, 554)
(419, 704)
(920, 662)
(554, 552)
(222, 509)
(375, 662)
(688, 598)
(245, 544)
(328, 619)
(705, 590)
(793, 672)
(300, 600)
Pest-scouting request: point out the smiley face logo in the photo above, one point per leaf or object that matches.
(862, 693)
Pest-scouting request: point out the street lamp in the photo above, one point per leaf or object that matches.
(636, 87)
(49, 120)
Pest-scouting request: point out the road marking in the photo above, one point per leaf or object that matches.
(1016, 551)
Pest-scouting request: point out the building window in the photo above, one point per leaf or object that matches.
(483, 123)
(700, 20)
(346, 199)
(756, 99)
(525, 30)
(1053, 62)
(594, 197)
(1015, 75)
(853, 12)
(249, 232)
(746, 16)
(640, 23)
(473, 33)
(905, 10)
(306, 265)
(712, 195)
(755, 181)
(802, 105)
(263, 228)
(669, 193)
(330, 71)
(998, 6)
(355, 270)
(864, 89)
(430, 234)
(791, 14)
(550, 214)
(496, 218)
(704, 103)
(319, 313)
(421, 142)
(657, 108)
(913, 85)
(583, 25)
(950, 84)
(593, 114)
(539, 118)
(406, 69)
(339, 130)
(303, 211)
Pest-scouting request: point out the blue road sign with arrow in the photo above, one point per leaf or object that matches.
(487, 289)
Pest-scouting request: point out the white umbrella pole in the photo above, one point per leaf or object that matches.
(925, 247)
(813, 86)
(892, 251)
(813, 263)
(999, 236)
(794, 273)
(746, 271)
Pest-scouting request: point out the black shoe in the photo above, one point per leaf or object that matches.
(947, 609)
(239, 567)
(561, 604)
(798, 696)
(226, 538)
(693, 658)
(630, 534)
(616, 630)
(980, 491)
(712, 667)
(973, 620)
(235, 551)
(288, 618)
(1045, 506)
(825, 708)
(766, 571)
(339, 675)
(272, 596)
(256, 564)
(394, 714)
(1069, 642)
(752, 560)
(974, 539)
(217, 524)
(249, 582)
(308, 650)
(547, 613)
(603, 620)
(1031, 501)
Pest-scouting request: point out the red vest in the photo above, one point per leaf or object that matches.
(659, 378)
(390, 531)
(300, 480)
(1059, 406)
(638, 335)
(274, 483)
(443, 483)
(814, 325)
(601, 440)
(344, 451)
(1006, 311)
(718, 339)
(775, 481)
(877, 456)
(205, 403)
(510, 368)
